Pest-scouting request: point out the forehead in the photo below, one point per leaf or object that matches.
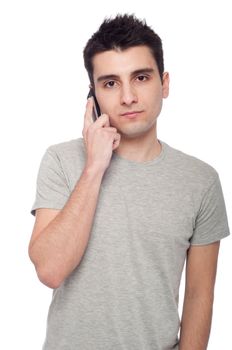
(122, 62)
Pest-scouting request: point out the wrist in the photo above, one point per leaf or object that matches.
(94, 171)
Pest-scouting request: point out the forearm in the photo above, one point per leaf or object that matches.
(60, 246)
(196, 323)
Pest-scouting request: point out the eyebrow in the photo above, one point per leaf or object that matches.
(114, 76)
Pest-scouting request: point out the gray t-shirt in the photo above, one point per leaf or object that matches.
(124, 293)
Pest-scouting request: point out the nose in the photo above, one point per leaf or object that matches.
(128, 95)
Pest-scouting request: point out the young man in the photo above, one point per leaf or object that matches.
(119, 211)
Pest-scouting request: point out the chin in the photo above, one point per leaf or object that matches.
(131, 134)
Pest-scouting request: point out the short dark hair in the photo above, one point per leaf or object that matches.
(123, 32)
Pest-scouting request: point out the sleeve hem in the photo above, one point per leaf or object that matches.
(46, 206)
(215, 239)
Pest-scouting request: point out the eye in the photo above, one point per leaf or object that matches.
(142, 77)
(110, 84)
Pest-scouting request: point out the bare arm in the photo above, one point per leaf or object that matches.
(199, 294)
(59, 238)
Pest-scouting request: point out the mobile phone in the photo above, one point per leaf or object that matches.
(96, 108)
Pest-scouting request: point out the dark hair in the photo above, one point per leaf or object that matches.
(123, 32)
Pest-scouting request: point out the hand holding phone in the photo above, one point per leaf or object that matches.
(99, 136)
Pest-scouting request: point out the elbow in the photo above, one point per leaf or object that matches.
(206, 294)
(48, 278)
(46, 274)
(203, 299)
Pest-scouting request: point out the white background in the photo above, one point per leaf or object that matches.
(43, 87)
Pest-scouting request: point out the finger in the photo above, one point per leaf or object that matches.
(88, 120)
(110, 129)
(116, 142)
(102, 121)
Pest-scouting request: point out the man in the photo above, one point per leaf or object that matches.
(119, 211)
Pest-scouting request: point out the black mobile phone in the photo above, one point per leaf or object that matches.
(96, 108)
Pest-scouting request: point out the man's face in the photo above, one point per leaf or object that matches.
(129, 81)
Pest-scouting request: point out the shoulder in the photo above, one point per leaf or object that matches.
(68, 152)
(71, 147)
(69, 158)
(191, 168)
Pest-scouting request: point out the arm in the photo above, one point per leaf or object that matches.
(201, 269)
(60, 237)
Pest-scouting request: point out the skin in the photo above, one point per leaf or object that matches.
(119, 89)
(201, 267)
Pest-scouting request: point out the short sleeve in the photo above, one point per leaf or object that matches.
(211, 222)
(52, 189)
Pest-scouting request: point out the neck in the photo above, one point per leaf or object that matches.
(139, 149)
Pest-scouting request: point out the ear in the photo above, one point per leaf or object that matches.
(165, 85)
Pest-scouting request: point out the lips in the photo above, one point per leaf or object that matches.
(131, 114)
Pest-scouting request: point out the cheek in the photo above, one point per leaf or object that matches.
(155, 104)
(158, 94)
(107, 105)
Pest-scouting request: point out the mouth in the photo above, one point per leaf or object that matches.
(132, 114)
